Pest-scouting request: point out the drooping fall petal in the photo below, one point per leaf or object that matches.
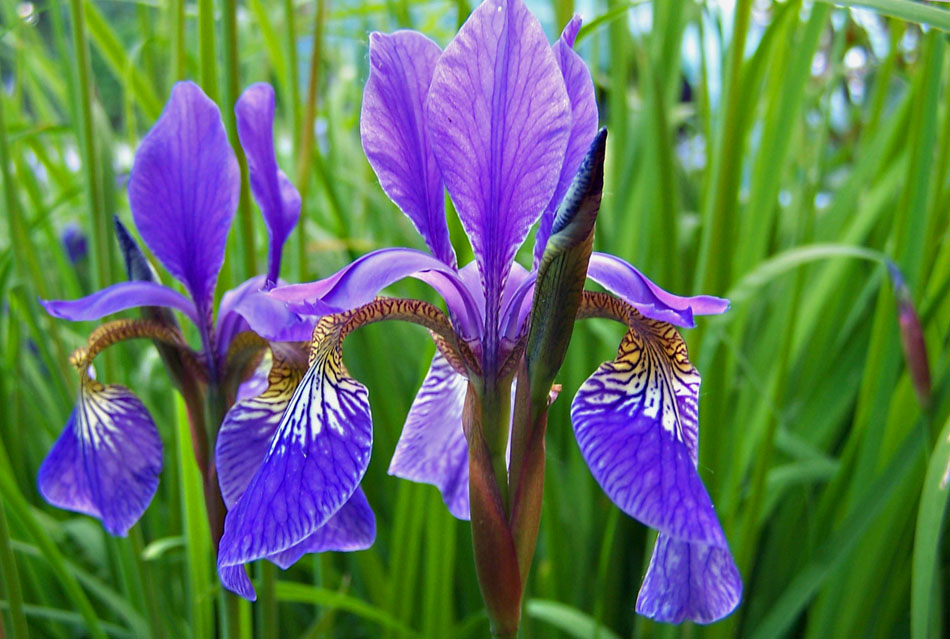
(432, 448)
(636, 423)
(107, 460)
(689, 581)
(120, 297)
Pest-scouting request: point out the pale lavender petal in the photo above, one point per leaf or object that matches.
(277, 197)
(315, 462)
(184, 190)
(688, 581)
(626, 282)
(360, 282)
(120, 297)
(235, 579)
(267, 316)
(432, 448)
(580, 90)
(107, 460)
(499, 119)
(636, 423)
(353, 527)
(394, 135)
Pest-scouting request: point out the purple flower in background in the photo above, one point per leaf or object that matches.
(183, 193)
(74, 241)
(507, 124)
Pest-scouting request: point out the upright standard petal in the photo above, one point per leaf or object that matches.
(432, 448)
(690, 581)
(636, 423)
(499, 119)
(277, 197)
(394, 136)
(120, 297)
(315, 461)
(106, 462)
(580, 91)
(184, 190)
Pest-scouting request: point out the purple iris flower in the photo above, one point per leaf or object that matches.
(503, 121)
(183, 192)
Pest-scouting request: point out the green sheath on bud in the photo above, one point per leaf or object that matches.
(562, 273)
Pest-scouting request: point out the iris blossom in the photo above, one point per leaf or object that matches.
(183, 193)
(505, 122)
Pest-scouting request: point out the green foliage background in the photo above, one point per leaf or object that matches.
(792, 158)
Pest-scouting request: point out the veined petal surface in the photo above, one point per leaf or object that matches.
(315, 461)
(277, 197)
(580, 91)
(432, 448)
(107, 460)
(636, 423)
(499, 120)
(120, 297)
(394, 136)
(689, 581)
(632, 286)
(264, 314)
(184, 190)
(353, 527)
(359, 282)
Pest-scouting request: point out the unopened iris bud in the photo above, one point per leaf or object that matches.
(562, 273)
(912, 337)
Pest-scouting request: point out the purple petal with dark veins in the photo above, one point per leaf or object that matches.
(359, 282)
(688, 581)
(432, 448)
(107, 460)
(315, 462)
(184, 190)
(265, 315)
(580, 90)
(235, 579)
(632, 286)
(636, 423)
(394, 136)
(277, 197)
(120, 297)
(498, 116)
(353, 527)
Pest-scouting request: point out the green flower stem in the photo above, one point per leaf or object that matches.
(496, 561)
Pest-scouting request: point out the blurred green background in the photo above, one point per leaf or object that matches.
(767, 151)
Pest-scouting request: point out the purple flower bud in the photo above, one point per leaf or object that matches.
(912, 336)
(74, 241)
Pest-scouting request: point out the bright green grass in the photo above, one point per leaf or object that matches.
(824, 468)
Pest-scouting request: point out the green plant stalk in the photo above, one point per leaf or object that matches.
(180, 52)
(268, 622)
(11, 581)
(305, 147)
(208, 61)
(145, 572)
(293, 86)
(21, 510)
(715, 265)
(101, 249)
